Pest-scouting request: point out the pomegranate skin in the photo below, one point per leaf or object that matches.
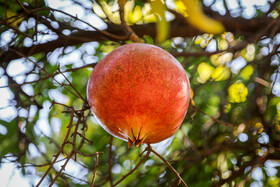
(139, 93)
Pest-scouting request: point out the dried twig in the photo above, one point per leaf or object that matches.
(58, 68)
(95, 169)
(61, 148)
(62, 168)
(50, 76)
(43, 69)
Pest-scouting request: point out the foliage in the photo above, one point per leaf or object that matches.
(231, 133)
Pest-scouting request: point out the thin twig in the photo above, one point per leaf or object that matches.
(21, 5)
(110, 161)
(62, 168)
(88, 155)
(6, 17)
(95, 169)
(58, 68)
(133, 36)
(75, 18)
(38, 165)
(73, 152)
(41, 68)
(95, 28)
(83, 137)
(75, 136)
(131, 171)
(50, 76)
(214, 119)
(226, 7)
(61, 148)
(76, 178)
(37, 21)
(169, 165)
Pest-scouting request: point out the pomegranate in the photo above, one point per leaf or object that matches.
(139, 93)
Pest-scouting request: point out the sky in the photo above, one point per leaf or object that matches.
(10, 175)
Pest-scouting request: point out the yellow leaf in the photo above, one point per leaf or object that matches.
(249, 53)
(136, 15)
(259, 126)
(107, 10)
(192, 102)
(273, 181)
(227, 108)
(220, 73)
(181, 8)
(14, 21)
(237, 92)
(128, 9)
(204, 72)
(149, 18)
(277, 127)
(98, 10)
(198, 40)
(247, 72)
(223, 44)
(115, 18)
(228, 36)
(220, 59)
(107, 48)
(197, 18)
(191, 96)
(159, 8)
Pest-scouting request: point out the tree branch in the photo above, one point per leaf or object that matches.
(178, 28)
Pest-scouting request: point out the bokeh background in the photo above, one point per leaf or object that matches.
(231, 133)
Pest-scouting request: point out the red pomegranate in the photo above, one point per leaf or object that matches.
(139, 93)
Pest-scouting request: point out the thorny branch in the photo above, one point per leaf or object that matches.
(74, 149)
(61, 148)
